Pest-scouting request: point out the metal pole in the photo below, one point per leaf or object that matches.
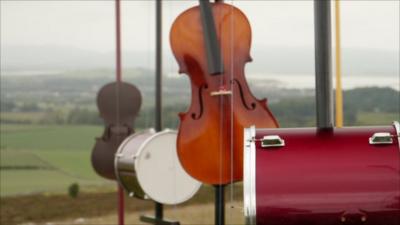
(159, 212)
(121, 206)
(118, 40)
(219, 195)
(158, 107)
(339, 92)
(323, 76)
(121, 203)
(219, 204)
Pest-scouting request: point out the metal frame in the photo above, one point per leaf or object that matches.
(159, 212)
(249, 175)
(219, 204)
(323, 76)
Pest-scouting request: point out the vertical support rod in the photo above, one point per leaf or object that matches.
(158, 109)
(118, 40)
(219, 192)
(118, 74)
(339, 92)
(159, 211)
(121, 206)
(322, 20)
(219, 204)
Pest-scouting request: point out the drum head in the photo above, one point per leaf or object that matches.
(160, 173)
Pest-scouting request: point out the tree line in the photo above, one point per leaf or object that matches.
(290, 112)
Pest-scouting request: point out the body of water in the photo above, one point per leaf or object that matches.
(307, 81)
(298, 81)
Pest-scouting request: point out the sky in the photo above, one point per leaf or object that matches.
(90, 24)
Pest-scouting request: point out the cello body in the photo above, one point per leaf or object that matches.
(210, 138)
(118, 104)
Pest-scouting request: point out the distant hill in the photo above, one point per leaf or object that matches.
(301, 61)
(266, 60)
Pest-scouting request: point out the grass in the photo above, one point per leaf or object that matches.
(377, 118)
(101, 208)
(19, 159)
(21, 117)
(45, 208)
(64, 149)
(50, 138)
(23, 182)
(193, 214)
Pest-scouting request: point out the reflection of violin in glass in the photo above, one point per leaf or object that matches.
(211, 43)
(118, 104)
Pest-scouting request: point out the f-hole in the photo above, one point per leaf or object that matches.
(200, 94)
(250, 106)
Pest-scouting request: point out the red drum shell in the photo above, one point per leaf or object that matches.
(322, 177)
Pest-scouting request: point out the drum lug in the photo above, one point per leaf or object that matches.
(381, 139)
(272, 141)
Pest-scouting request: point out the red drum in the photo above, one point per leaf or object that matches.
(307, 176)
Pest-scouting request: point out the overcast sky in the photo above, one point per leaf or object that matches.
(90, 24)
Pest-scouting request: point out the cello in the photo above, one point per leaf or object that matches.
(211, 43)
(118, 104)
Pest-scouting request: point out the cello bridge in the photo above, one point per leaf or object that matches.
(221, 93)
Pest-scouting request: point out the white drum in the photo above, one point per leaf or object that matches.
(156, 168)
(124, 163)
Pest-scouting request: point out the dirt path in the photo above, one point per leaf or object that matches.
(193, 214)
(101, 208)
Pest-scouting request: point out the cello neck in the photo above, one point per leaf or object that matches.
(214, 58)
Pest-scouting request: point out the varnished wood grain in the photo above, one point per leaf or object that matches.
(210, 138)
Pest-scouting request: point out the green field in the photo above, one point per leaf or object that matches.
(50, 138)
(22, 117)
(56, 156)
(377, 118)
(48, 158)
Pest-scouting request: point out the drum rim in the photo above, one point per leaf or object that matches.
(116, 163)
(198, 184)
(249, 169)
(396, 125)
